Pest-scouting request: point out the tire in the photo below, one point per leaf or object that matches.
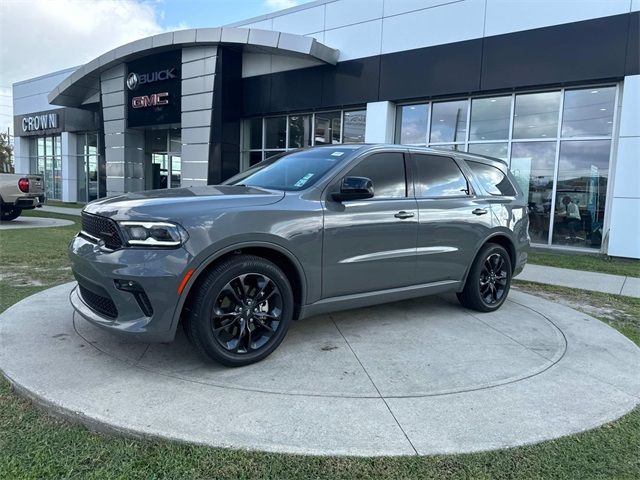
(489, 280)
(241, 311)
(10, 213)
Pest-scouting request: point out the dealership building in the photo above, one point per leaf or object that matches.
(553, 88)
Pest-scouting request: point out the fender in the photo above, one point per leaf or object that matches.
(500, 231)
(208, 260)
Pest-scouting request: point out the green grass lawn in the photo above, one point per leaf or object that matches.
(35, 445)
(587, 262)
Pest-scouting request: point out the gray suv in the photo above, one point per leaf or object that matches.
(309, 232)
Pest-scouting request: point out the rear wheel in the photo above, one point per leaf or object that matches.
(241, 311)
(489, 280)
(8, 213)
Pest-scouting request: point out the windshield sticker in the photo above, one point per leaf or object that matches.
(337, 154)
(303, 180)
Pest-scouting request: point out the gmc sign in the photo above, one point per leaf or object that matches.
(152, 100)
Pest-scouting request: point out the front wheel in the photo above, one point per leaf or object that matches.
(10, 213)
(488, 281)
(241, 311)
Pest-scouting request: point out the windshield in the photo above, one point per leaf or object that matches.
(295, 171)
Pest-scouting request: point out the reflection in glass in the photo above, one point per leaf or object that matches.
(275, 132)
(495, 150)
(533, 165)
(536, 115)
(458, 147)
(581, 193)
(490, 118)
(588, 112)
(327, 128)
(176, 171)
(354, 126)
(412, 124)
(449, 122)
(299, 131)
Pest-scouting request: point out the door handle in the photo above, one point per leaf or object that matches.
(404, 214)
(479, 211)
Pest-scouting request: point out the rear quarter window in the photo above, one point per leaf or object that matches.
(492, 179)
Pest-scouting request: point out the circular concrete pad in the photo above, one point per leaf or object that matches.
(415, 377)
(34, 222)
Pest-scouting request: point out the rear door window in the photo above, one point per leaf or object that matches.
(492, 179)
(438, 177)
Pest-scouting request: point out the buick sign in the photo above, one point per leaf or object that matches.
(134, 80)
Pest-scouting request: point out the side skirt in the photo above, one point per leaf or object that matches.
(367, 299)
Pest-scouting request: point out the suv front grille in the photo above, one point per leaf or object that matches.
(98, 303)
(102, 228)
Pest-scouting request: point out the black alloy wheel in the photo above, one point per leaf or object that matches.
(489, 279)
(240, 310)
(493, 280)
(247, 313)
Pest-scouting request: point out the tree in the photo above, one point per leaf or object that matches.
(6, 154)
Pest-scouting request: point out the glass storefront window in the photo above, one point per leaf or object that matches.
(583, 173)
(327, 128)
(354, 126)
(533, 166)
(588, 112)
(165, 148)
(496, 150)
(255, 133)
(412, 124)
(275, 132)
(575, 166)
(536, 115)
(47, 161)
(299, 131)
(490, 118)
(449, 122)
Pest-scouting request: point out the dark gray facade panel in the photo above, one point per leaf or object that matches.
(298, 89)
(351, 83)
(224, 147)
(632, 65)
(448, 69)
(574, 52)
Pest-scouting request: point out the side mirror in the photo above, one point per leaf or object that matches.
(354, 188)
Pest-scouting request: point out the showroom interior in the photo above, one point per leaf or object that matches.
(554, 96)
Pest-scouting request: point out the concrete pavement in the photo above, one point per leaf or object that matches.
(416, 377)
(592, 281)
(33, 222)
(63, 210)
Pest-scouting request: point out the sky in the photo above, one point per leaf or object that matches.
(42, 36)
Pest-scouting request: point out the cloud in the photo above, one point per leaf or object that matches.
(274, 5)
(41, 36)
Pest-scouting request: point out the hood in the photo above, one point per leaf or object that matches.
(176, 203)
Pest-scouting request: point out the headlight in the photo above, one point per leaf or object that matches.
(153, 234)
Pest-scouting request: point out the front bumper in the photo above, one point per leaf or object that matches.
(157, 271)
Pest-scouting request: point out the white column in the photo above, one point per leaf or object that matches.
(69, 167)
(380, 126)
(624, 230)
(21, 155)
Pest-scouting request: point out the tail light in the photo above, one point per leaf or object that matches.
(23, 185)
